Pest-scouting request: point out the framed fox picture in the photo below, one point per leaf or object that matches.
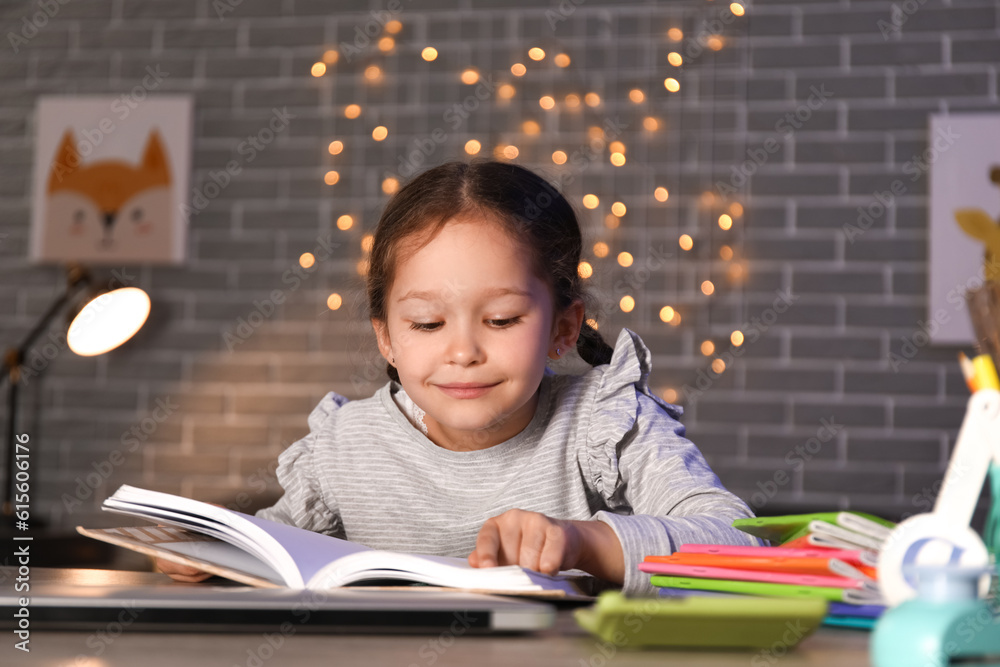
(111, 179)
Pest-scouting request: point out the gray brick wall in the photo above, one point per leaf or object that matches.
(825, 101)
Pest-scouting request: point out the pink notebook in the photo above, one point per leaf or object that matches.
(849, 555)
(750, 575)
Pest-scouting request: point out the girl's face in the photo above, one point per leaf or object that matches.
(469, 327)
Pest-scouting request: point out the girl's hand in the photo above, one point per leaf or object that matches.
(547, 545)
(178, 572)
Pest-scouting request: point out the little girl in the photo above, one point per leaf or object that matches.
(475, 448)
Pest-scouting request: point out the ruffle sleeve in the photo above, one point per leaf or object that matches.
(304, 504)
(658, 490)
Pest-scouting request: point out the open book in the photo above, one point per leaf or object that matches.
(265, 553)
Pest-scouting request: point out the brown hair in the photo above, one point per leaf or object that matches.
(520, 201)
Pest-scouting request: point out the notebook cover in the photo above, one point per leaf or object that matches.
(780, 529)
(748, 587)
(750, 575)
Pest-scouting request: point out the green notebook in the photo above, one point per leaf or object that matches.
(700, 622)
(751, 588)
(781, 529)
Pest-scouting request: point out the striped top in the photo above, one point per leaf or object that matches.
(600, 446)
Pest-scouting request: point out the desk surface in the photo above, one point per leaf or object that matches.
(564, 644)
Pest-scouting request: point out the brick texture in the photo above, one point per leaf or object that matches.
(808, 110)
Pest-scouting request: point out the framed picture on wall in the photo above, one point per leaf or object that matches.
(111, 179)
(963, 156)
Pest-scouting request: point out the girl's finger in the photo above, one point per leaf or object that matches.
(551, 559)
(533, 541)
(487, 545)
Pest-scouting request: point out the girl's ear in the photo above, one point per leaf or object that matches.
(566, 329)
(382, 338)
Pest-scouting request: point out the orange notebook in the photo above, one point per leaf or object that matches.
(791, 565)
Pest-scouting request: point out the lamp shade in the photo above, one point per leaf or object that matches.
(107, 321)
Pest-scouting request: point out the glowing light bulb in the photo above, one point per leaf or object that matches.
(671, 84)
(591, 201)
(661, 194)
(585, 270)
(380, 133)
(429, 53)
(626, 303)
(331, 177)
(334, 301)
(625, 259)
(517, 69)
(352, 111)
(336, 147)
(472, 147)
(666, 313)
(536, 53)
(318, 69)
(685, 242)
(345, 222)
(559, 157)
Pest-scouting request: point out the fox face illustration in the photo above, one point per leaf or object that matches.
(109, 209)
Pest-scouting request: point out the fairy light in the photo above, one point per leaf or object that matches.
(601, 249)
(707, 198)
(362, 267)
(373, 72)
(617, 159)
(506, 91)
(318, 69)
(517, 69)
(661, 194)
(470, 76)
(707, 288)
(737, 9)
(736, 338)
(536, 53)
(685, 242)
(671, 84)
(670, 395)
(380, 133)
(352, 111)
(736, 209)
(331, 177)
(393, 27)
(612, 221)
(390, 185)
(618, 208)
(715, 43)
(616, 147)
(331, 56)
(675, 59)
(592, 99)
(306, 260)
(625, 259)
(429, 53)
(592, 323)
(676, 320)
(472, 147)
(385, 44)
(595, 132)
(530, 127)
(546, 102)
(591, 201)
(725, 222)
(718, 365)
(707, 348)
(667, 313)
(559, 157)
(366, 242)
(650, 124)
(626, 303)
(562, 60)
(636, 95)
(334, 301)
(345, 222)
(510, 151)
(726, 253)
(585, 270)
(335, 147)
(572, 100)
(675, 34)
(736, 272)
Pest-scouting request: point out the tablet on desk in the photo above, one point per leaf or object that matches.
(206, 608)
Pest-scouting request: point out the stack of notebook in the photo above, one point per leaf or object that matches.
(830, 555)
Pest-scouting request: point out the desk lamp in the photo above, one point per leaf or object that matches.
(106, 320)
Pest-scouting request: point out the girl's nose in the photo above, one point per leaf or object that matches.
(464, 348)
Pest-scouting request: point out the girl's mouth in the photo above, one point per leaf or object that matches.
(463, 390)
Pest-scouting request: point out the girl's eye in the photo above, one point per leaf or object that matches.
(424, 326)
(503, 324)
